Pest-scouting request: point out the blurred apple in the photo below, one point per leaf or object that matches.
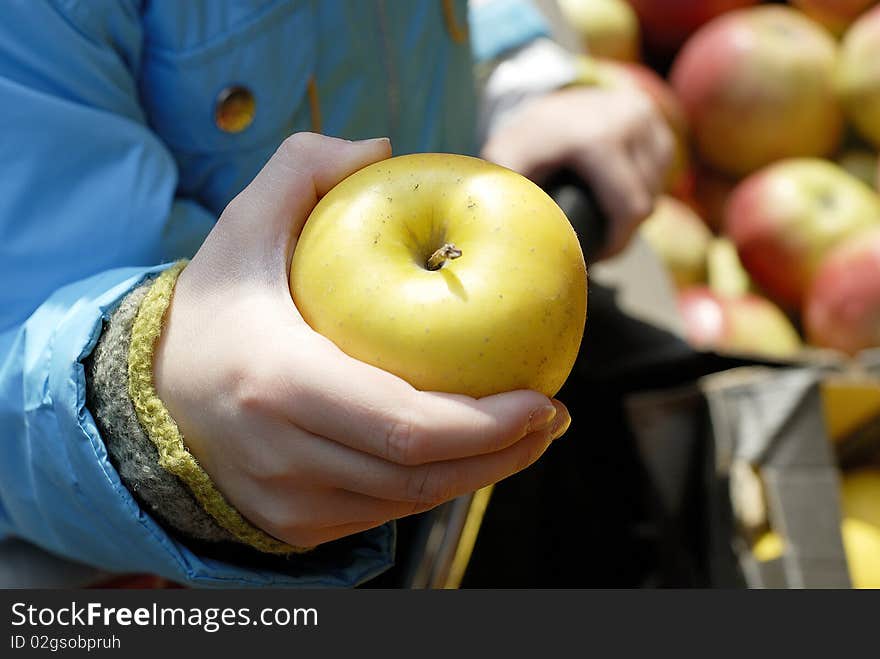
(842, 308)
(836, 15)
(608, 28)
(860, 495)
(860, 163)
(861, 544)
(787, 216)
(757, 86)
(858, 75)
(860, 529)
(666, 24)
(743, 324)
(611, 74)
(725, 273)
(680, 239)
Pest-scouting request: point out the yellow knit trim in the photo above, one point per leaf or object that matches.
(162, 429)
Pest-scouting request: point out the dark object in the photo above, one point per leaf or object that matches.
(580, 205)
(585, 515)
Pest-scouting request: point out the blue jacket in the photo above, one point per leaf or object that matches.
(113, 166)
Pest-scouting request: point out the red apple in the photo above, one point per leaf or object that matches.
(607, 28)
(609, 73)
(858, 75)
(745, 324)
(666, 24)
(842, 309)
(680, 239)
(786, 217)
(757, 86)
(836, 15)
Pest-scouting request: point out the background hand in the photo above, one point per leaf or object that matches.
(613, 138)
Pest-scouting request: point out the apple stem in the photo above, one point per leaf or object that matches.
(445, 253)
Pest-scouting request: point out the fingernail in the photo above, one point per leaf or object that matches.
(560, 425)
(541, 417)
(372, 140)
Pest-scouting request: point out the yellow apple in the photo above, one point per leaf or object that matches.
(450, 272)
(858, 77)
(608, 28)
(680, 238)
(860, 529)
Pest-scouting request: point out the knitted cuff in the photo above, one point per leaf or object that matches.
(155, 419)
(130, 450)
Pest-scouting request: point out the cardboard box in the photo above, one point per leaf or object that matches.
(766, 447)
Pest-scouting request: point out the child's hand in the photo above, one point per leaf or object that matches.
(309, 444)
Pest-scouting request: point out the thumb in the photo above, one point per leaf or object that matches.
(274, 207)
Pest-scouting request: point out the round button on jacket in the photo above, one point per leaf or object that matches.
(234, 109)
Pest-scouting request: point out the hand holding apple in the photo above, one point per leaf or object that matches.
(609, 74)
(451, 272)
(308, 443)
(614, 138)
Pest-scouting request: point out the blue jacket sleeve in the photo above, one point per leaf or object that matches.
(498, 26)
(88, 207)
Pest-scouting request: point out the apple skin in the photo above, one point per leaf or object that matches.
(860, 506)
(607, 28)
(746, 324)
(786, 217)
(680, 238)
(858, 76)
(860, 529)
(860, 495)
(757, 86)
(861, 544)
(666, 24)
(835, 15)
(842, 308)
(507, 314)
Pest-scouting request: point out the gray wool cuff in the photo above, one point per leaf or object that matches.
(131, 450)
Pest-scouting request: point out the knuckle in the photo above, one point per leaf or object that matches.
(404, 439)
(251, 389)
(666, 147)
(236, 208)
(425, 488)
(292, 144)
(296, 145)
(271, 470)
(641, 205)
